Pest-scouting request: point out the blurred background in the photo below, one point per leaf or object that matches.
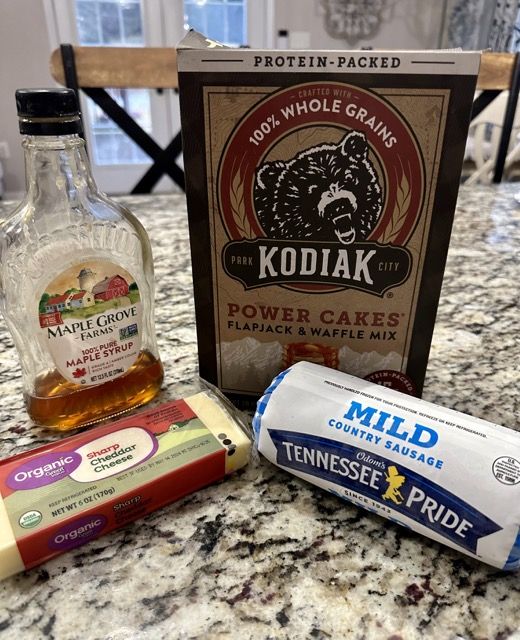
(31, 29)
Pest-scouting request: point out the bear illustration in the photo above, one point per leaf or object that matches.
(328, 192)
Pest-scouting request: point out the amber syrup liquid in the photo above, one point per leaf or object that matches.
(64, 405)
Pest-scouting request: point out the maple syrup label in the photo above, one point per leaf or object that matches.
(90, 319)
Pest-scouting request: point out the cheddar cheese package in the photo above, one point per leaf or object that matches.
(62, 495)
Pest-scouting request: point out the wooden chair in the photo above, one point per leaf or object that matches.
(498, 72)
(93, 69)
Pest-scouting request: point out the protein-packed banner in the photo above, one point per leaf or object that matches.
(320, 206)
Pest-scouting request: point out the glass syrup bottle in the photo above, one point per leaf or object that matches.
(76, 279)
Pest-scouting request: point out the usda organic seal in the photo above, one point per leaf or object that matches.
(30, 519)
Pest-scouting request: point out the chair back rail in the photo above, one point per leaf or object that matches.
(496, 70)
(120, 67)
(93, 70)
(156, 67)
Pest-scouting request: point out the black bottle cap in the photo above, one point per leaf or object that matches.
(48, 111)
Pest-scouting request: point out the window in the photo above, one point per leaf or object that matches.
(118, 23)
(118, 163)
(110, 22)
(222, 20)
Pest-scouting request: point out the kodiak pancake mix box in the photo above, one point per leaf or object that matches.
(321, 188)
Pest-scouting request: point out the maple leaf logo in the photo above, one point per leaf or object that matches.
(79, 373)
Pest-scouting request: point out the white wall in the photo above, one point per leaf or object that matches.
(407, 24)
(24, 62)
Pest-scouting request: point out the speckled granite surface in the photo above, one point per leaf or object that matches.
(262, 555)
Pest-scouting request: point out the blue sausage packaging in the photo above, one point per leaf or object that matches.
(446, 475)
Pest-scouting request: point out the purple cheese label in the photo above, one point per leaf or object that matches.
(43, 470)
(78, 532)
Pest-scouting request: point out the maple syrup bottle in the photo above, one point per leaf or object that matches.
(76, 279)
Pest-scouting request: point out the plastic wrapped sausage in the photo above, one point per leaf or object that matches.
(446, 475)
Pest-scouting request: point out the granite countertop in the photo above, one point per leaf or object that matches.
(262, 554)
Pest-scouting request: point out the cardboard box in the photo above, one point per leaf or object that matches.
(321, 189)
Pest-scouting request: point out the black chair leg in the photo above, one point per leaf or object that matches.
(71, 77)
(163, 159)
(509, 119)
(137, 134)
(162, 163)
(484, 99)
